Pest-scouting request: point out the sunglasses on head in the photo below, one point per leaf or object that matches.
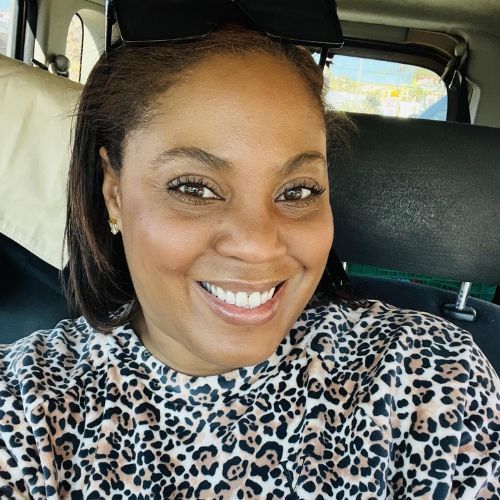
(302, 22)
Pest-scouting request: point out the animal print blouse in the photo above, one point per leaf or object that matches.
(374, 402)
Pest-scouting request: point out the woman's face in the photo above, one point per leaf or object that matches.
(226, 186)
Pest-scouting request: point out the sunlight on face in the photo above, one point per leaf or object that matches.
(224, 212)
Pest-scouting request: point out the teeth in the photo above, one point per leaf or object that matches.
(254, 300)
(221, 293)
(230, 298)
(241, 299)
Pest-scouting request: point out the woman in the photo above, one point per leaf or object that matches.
(209, 360)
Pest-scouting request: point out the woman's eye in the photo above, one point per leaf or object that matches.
(196, 189)
(301, 194)
(192, 190)
(295, 194)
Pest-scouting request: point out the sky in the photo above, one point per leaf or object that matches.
(372, 71)
(4, 7)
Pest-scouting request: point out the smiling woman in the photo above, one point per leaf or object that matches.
(213, 357)
(204, 187)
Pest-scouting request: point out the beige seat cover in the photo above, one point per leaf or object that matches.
(35, 123)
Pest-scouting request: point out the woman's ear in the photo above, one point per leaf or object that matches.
(111, 188)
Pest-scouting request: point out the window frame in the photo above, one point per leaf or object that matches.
(25, 30)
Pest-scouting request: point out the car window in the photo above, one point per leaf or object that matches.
(385, 88)
(74, 48)
(5, 24)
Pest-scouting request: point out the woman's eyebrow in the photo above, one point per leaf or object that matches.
(191, 153)
(301, 159)
(214, 161)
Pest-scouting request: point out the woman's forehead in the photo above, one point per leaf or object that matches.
(245, 103)
(228, 138)
(249, 84)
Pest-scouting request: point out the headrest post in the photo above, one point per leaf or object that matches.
(459, 310)
(463, 294)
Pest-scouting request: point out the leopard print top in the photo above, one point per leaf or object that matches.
(367, 403)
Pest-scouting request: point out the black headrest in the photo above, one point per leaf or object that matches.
(419, 196)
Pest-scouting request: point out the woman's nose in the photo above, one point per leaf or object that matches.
(251, 236)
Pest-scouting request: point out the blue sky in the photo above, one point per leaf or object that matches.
(4, 7)
(372, 71)
(4, 25)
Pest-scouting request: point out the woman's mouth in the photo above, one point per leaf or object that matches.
(247, 300)
(242, 307)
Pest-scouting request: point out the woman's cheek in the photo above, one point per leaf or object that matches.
(161, 239)
(310, 240)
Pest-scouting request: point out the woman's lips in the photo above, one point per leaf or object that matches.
(236, 315)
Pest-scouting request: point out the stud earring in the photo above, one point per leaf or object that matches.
(113, 226)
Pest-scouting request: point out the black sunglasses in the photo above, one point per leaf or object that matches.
(301, 22)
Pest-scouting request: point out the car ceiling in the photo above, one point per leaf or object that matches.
(436, 15)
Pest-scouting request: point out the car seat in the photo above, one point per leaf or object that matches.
(35, 125)
(422, 197)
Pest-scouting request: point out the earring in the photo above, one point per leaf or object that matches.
(113, 226)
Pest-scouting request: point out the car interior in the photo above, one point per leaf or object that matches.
(416, 196)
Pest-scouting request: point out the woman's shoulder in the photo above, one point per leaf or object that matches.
(376, 317)
(392, 322)
(46, 361)
(414, 341)
(408, 360)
